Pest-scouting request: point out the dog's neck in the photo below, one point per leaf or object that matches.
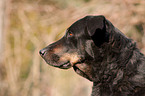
(116, 60)
(113, 55)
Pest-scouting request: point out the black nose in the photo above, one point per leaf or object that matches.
(42, 52)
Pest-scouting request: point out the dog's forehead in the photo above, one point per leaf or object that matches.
(78, 25)
(82, 23)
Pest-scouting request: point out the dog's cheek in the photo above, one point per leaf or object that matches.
(71, 57)
(74, 58)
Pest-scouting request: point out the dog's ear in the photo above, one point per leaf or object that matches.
(97, 29)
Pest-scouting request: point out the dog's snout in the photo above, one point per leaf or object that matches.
(42, 52)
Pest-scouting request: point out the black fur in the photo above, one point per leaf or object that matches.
(105, 56)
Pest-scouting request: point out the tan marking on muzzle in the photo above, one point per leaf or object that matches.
(72, 57)
(57, 50)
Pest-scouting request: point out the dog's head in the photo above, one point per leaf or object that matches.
(80, 46)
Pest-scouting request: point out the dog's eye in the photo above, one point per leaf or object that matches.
(70, 34)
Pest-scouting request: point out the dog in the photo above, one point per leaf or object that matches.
(101, 53)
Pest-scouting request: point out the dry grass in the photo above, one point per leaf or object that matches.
(33, 24)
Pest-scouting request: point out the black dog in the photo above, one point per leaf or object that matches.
(101, 53)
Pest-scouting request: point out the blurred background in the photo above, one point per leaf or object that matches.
(26, 26)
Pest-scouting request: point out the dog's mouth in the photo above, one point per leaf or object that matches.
(66, 65)
(81, 67)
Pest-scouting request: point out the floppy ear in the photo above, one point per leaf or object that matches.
(97, 29)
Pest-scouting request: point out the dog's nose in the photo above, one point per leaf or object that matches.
(42, 52)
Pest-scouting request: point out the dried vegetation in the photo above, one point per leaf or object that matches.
(32, 24)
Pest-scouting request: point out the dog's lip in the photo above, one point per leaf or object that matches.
(66, 65)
